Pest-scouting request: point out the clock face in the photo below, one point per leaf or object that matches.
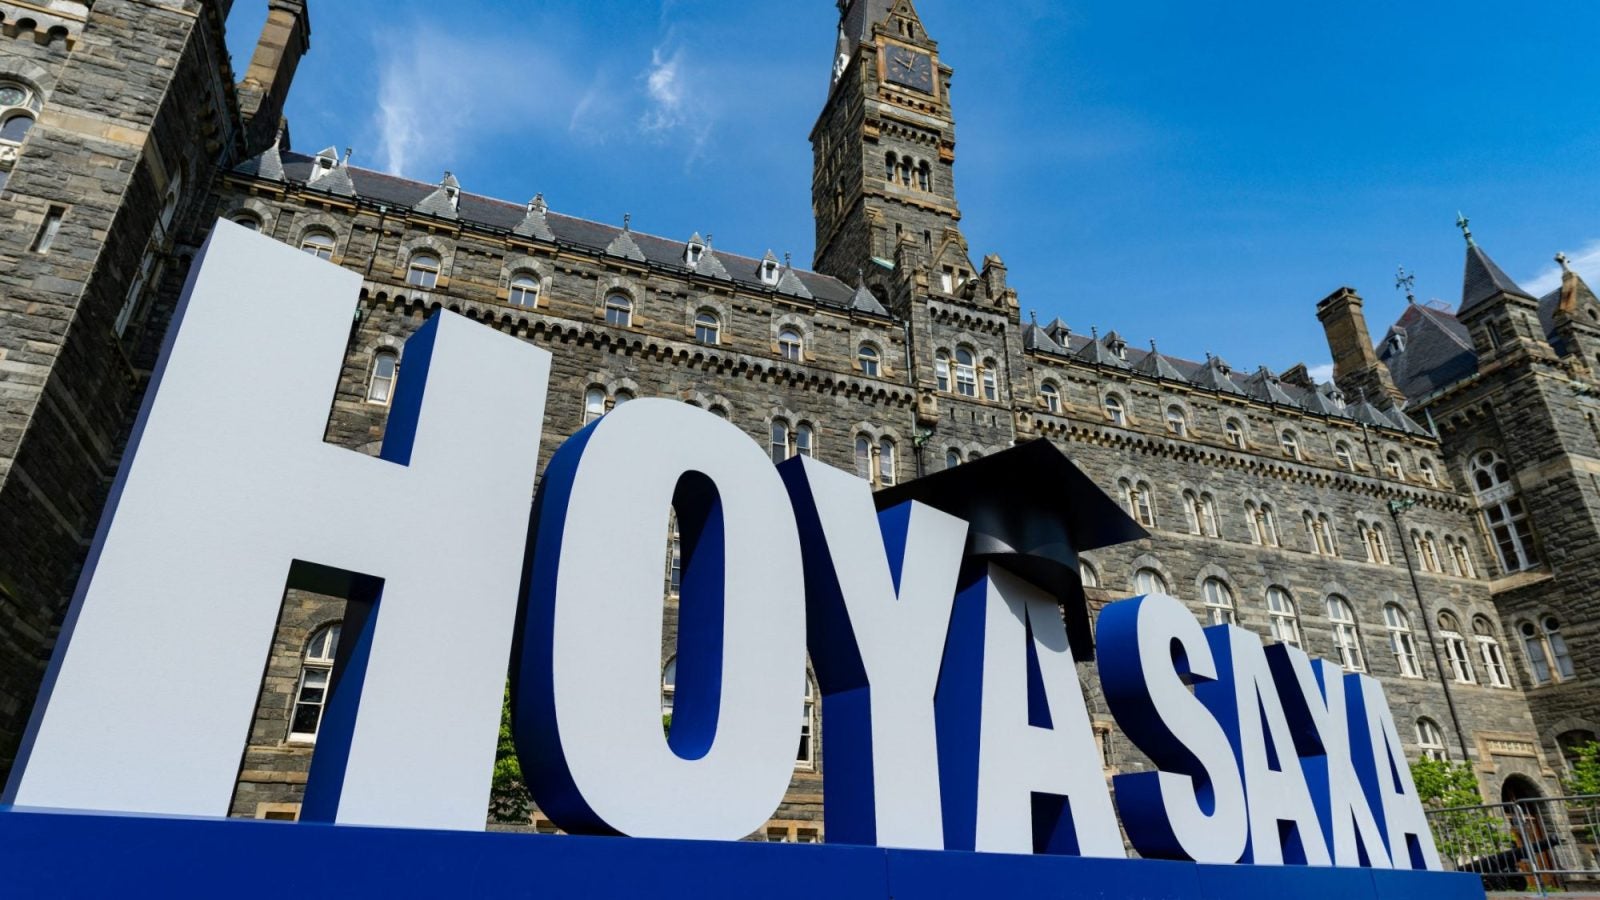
(909, 68)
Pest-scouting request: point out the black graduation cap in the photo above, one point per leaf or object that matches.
(1032, 512)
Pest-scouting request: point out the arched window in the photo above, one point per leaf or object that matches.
(966, 373)
(1088, 574)
(890, 165)
(1115, 410)
(1177, 422)
(1148, 581)
(318, 244)
(707, 327)
(1191, 511)
(1494, 662)
(1319, 533)
(1430, 475)
(1460, 558)
(1547, 650)
(991, 387)
(1263, 528)
(924, 176)
(316, 673)
(423, 271)
(620, 398)
(524, 290)
(864, 457)
(805, 440)
(1504, 515)
(380, 384)
(868, 357)
(941, 370)
(1142, 503)
(1281, 616)
(669, 690)
(1572, 745)
(1455, 648)
(1051, 395)
(1208, 514)
(780, 441)
(1234, 429)
(619, 310)
(247, 220)
(1219, 602)
(1427, 552)
(790, 345)
(952, 458)
(594, 404)
(886, 463)
(1392, 465)
(16, 127)
(1345, 636)
(720, 412)
(1341, 452)
(1376, 545)
(1290, 444)
(1430, 740)
(1401, 642)
(806, 756)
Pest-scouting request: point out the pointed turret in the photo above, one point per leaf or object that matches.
(445, 201)
(1502, 318)
(535, 224)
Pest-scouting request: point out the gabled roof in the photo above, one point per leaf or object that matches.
(864, 301)
(442, 202)
(1265, 386)
(625, 246)
(1036, 338)
(1484, 280)
(268, 165)
(711, 267)
(1157, 366)
(534, 224)
(1097, 351)
(1436, 351)
(1216, 375)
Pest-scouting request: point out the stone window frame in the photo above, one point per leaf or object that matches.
(1185, 414)
(1491, 650)
(265, 214)
(802, 327)
(1541, 638)
(1402, 639)
(1364, 529)
(441, 249)
(1394, 464)
(711, 403)
(627, 287)
(1274, 617)
(1208, 574)
(862, 337)
(1347, 459)
(877, 435)
(1199, 511)
(1244, 430)
(692, 311)
(1289, 443)
(1153, 563)
(1135, 487)
(1312, 516)
(1453, 639)
(305, 225)
(793, 423)
(1430, 739)
(1343, 630)
(513, 267)
(1261, 520)
(1125, 409)
(1054, 387)
(378, 356)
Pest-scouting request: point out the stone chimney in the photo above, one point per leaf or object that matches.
(1356, 367)
(284, 39)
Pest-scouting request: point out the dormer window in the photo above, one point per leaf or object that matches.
(693, 251)
(769, 272)
(323, 164)
(1397, 342)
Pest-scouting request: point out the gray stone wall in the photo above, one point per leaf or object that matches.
(134, 112)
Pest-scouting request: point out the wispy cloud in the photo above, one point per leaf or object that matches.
(1321, 373)
(437, 95)
(1586, 262)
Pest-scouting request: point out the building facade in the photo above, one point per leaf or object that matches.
(1414, 519)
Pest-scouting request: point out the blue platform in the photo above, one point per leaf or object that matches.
(76, 855)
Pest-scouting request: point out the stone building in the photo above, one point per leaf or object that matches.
(1414, 519)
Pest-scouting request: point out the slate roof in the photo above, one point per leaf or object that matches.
(1437, 351)
(510, 217)
(1483, 280)
(862, 15)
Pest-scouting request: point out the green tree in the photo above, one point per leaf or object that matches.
(509, 802)
(1462, 829)
(1583, 764)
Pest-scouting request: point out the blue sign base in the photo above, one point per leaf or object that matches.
(46, 854)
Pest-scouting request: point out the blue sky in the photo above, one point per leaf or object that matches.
(1196, 173)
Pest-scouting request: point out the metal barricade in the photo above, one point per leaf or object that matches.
(1544, 844)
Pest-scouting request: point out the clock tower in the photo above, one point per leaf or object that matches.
(884, 147)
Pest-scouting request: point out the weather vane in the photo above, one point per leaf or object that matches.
(1465, 226)
(1405, 281)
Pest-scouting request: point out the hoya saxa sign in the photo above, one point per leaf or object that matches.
(933, 614)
